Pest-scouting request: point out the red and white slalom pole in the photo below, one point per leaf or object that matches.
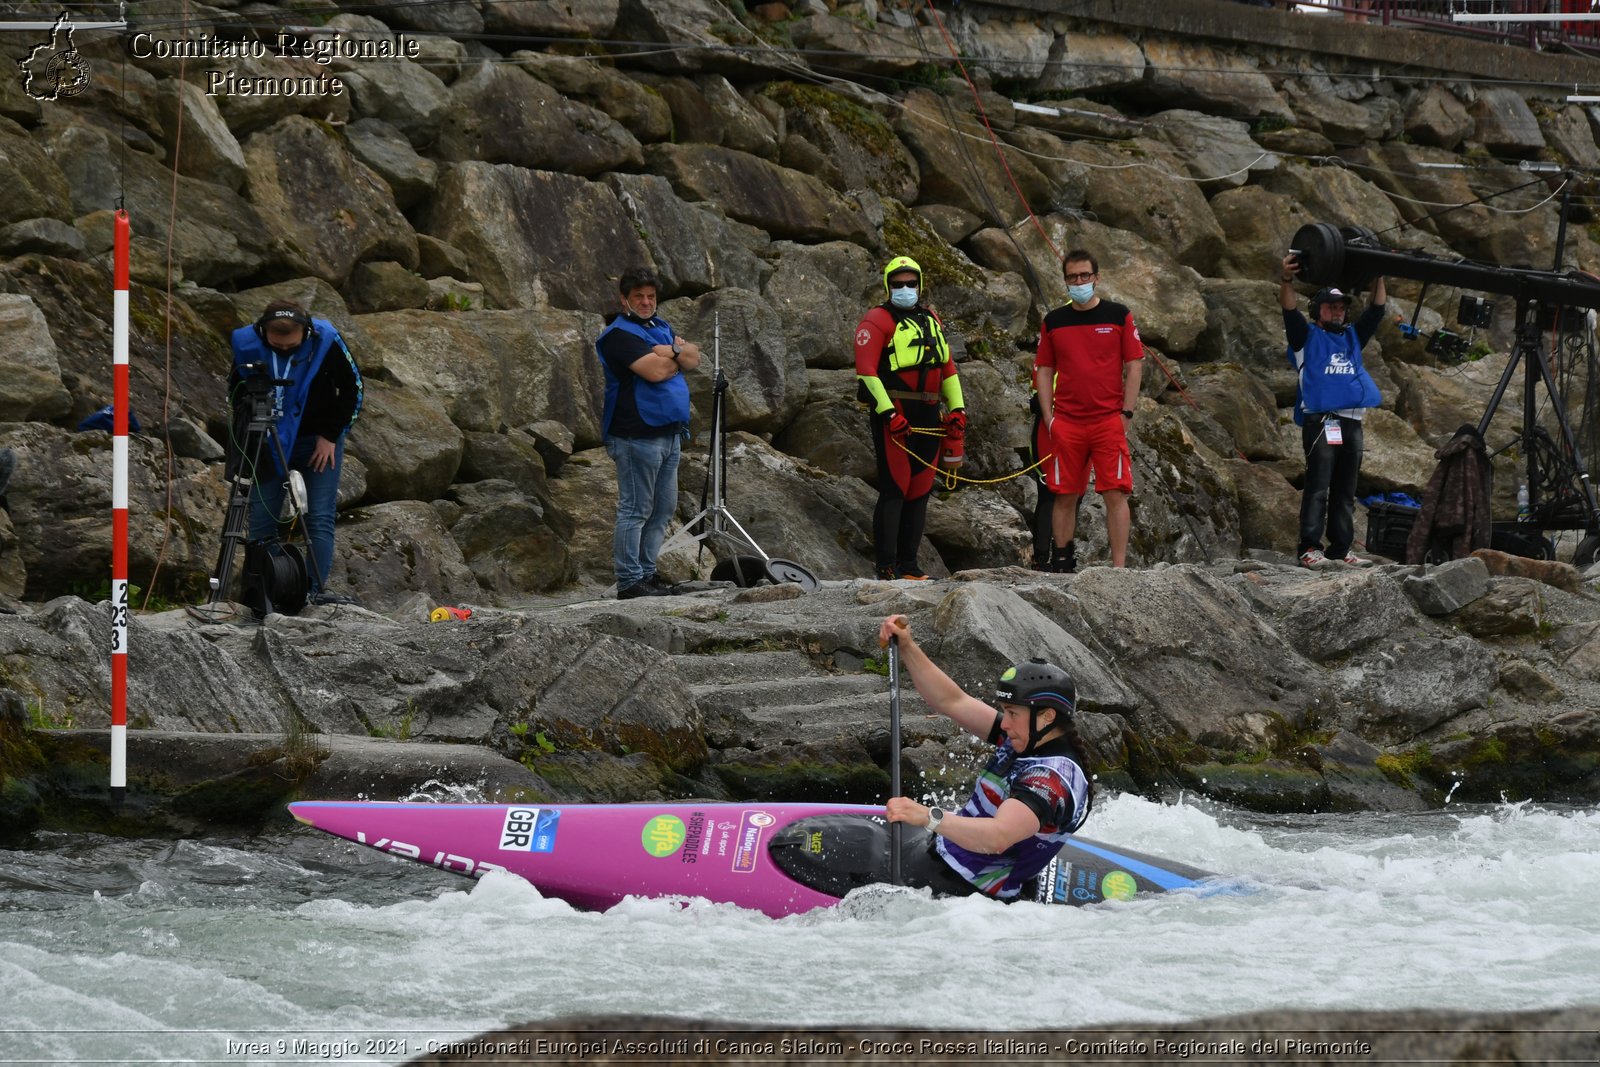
(119, 515)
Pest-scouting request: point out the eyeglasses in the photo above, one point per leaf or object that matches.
(903, 285)
(1079, 279)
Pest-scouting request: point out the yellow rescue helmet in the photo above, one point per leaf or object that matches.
(898, 264)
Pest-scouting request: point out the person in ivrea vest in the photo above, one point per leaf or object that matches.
(1335, 394)
(645, 419)
(316, 409)
(903, 373)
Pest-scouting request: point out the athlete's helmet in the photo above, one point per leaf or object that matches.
(1327, 295)
(1039, 685)
(898, 264)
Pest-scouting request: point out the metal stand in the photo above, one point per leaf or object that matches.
(278, 568)
(746, 562)
(1560, 493)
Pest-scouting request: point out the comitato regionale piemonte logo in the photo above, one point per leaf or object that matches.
(55, 69)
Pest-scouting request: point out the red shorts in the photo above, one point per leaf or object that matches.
(1081, 443)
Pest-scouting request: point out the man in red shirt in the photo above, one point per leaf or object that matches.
(1087, 371)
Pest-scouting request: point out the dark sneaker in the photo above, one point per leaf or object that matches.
(912, 574)
(660, 585)
(638, 589)
(886, 574)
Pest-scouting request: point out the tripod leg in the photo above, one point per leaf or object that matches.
(1585, 486)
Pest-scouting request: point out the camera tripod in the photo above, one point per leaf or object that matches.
(1561, 495)
(745, 563)
(275, 571)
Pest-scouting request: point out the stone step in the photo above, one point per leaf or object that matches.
(739, 667)
(750, 697)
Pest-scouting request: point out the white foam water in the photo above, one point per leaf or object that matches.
(297, 947)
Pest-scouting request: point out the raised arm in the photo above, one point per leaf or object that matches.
(936, 687)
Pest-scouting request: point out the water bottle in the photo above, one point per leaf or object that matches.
(1524, 512)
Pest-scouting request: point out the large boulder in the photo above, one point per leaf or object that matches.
(1145, 200)
(326, 218)
(1259, 224)
(695, 248)
(850, 145)
(571, 243)
(1241, 405)
(819, 293)
(32, 388)
(1206, 667)
(855, 47)
(709, 110)
(1244, 326)
(72, 297)
(785, 203)
(766, 379)
(640, 109)
(406, 441)
(1088, 62)
(1434, 117)
(832, 431)
(1218, 152)
(940, 135)
(506, 541)
(209, 151)
(1196, 75)
(388, 154)
(1007, 49)
(500, 114)
(978, 629)
(387, 552)
(218, 237)
(491, 369)
(1269, 508)
(247, 112)
(1506, 124)
(60, 500)
(404, 94)
(533, 18)
(1567, 130)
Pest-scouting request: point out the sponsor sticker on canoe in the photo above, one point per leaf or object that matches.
(1118, 885)
(747, 846)
(663, 836)
(529, 830)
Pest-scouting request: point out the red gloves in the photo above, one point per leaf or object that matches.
(955, 424)
(898, 426)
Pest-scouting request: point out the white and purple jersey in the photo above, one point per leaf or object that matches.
(1054, 788)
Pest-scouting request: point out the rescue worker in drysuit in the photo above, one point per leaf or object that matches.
(904, 371)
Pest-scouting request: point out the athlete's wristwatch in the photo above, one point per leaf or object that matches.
(1126, 413)
(935, 817)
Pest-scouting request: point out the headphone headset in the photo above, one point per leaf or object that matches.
(299, 318)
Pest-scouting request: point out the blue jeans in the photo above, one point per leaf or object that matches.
(647, 495)
(1329, 496)
(322, 500)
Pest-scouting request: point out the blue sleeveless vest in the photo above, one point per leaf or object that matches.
(1332, 377)
(300, 367)
(659, 403)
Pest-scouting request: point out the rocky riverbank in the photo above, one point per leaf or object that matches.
(471, 207)
(1254, 682)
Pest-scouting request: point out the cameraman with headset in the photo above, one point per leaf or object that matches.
(316, 405)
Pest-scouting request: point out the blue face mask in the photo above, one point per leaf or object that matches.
(903, 298)
(1081, 294)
